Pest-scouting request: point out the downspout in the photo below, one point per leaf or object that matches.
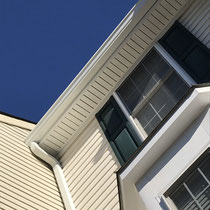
(58, 172)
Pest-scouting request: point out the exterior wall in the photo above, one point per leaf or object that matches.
(89, 166)
(187, 148)
(197, 20)
(25, 181)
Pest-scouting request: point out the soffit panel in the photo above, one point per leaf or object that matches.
(92, 97)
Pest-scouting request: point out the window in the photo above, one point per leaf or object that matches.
(151, 91)
(119, 132)
(188, 51)
(192, 190)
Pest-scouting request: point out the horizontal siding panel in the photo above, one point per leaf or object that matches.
(113, 204)
(11, 207)
(17, 161)
(89, 174)
(89, 167)
(94, 140)
(21, 172)
(9, 134)
(81, 165)
(197, 20)
(25, 181)
(25, 156)
(32, 191)
(23, 197)
(107, 199)
(87, 201)
(12, 129)
(17, 202)
(11, 174)
(116, 207)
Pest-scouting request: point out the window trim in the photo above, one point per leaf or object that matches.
(183, 74)
(166, 196)
(177, 68)
(127, 115)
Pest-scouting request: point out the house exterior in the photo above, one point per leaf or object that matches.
(132, 130)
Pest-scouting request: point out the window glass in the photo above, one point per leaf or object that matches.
(118, 131)
(151, 91)
(193, 192)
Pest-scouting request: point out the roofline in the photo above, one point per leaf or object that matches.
(16, 117)
(89, 70)
(16, 121)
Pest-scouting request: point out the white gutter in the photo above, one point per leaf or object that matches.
(58, 172)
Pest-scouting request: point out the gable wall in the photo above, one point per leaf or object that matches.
(89, 167)
(25, 182)
(197, 20)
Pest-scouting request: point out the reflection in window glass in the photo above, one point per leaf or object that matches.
(194, 191)
(151, 91)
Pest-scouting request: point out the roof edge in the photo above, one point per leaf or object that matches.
(90, 69)
(15, 121)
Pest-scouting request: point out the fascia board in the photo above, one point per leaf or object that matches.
(166, 136)
(16, 122)
(90, 69)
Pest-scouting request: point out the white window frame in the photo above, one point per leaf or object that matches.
(179, 70)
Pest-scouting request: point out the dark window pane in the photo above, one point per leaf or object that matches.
(129, 94)
(156, 65)
(147, 85)
(182, 198)
(127, 90)
(145, 115)
(133, 100)
(192, 206)
(205, 168)
(111, 119)
(204, 199)
(125, 144)
(140, 75)
(154, 88)
(196, 183)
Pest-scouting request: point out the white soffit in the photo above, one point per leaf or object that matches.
(74, 109)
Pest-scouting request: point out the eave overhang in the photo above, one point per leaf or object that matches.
(147, 21)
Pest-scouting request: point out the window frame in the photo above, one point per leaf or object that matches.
(177, 68)
(191, 169)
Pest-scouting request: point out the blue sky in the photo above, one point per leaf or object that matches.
(45, 43)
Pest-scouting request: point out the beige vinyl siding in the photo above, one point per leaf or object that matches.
(89, 166)
(197, 20)
(25, 181)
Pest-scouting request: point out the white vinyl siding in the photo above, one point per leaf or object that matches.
(25, 181)
(197, 20)
(89, 167)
